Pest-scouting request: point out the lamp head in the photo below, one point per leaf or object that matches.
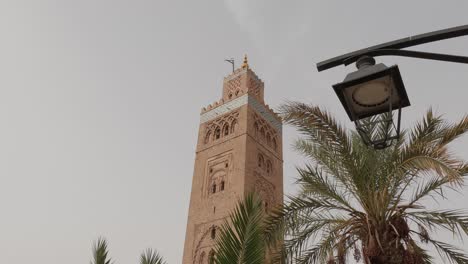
(371, 90)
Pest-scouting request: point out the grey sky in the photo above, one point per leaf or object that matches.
(100, 103)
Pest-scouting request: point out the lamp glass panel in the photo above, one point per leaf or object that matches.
(372, 93)
(371, 97)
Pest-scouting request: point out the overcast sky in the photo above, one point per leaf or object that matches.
(100, 104)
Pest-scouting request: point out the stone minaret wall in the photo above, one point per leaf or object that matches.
(239, 150)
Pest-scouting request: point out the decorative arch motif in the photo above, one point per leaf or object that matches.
(234, 84)
(217, 181)
(204, 244)
(221, 127)
(217, 177)
(217, 172)
(233, 125)
(217, 133)
(226, 130)
(201, 258)
(274, 144)
(265, 190)
(264, 164)
(233, 87)
(265, 133)
(262, 133)
(269, 167)
(207, 137)
(261, 161)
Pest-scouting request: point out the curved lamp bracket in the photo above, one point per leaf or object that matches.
(394, 48)
(408, 53)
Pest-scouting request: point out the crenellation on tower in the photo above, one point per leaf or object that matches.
(239, 151)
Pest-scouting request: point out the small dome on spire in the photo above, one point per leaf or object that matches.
(245, 65)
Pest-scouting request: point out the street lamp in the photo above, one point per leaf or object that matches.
(374, 90)
(371, 94)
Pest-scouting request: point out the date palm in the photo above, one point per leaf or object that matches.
(355, 200)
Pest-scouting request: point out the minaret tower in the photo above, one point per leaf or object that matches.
(239, 151)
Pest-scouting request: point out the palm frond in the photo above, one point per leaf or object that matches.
(426, 149)
(432, 185)
(422, 253)
(454, 131)
(449, 252)
(241, 240)
(315, 183)
(322, 130)
(452, 220)
(150, 256)
(100, 252)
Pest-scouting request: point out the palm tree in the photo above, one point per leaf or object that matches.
(355, 200)
(242, 238)
(100, 252)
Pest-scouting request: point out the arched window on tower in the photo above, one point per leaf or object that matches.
(207, 137)
(268, 167)
(217, 133)
(256, 128)
(260, 160)
(201, 260)
(213, 232)
(268, 138)
(233, 126)
(262, 133)
(226, 130)
(213, 188)
(275, 145)
(221, 188)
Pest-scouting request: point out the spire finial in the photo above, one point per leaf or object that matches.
(245, 65)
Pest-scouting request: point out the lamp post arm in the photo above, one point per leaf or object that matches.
(408, 53)
(397, 44)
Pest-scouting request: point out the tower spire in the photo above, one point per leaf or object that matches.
(245, 65)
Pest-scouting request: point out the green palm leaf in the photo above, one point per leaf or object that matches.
(150, 256)
(242, 237)
(100, 252)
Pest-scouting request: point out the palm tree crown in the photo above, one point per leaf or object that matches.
(355, 200)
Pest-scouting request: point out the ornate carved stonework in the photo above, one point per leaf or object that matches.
(265, 133)
(234, 87)
(254, 86)
(205, 242)
(265, 189)
(221, 127)
(217, 175)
